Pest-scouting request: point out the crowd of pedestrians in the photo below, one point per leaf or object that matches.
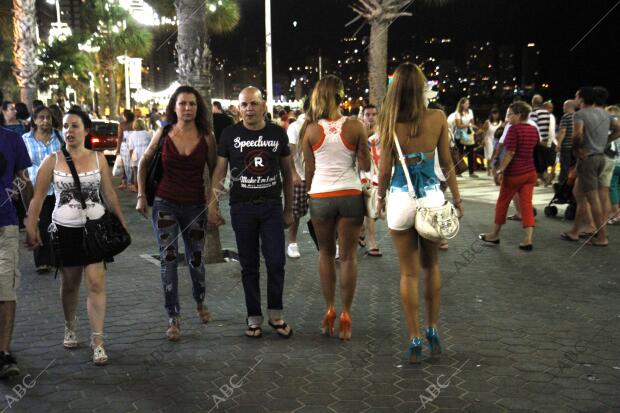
(403, 155)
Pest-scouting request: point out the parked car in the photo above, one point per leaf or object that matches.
(103, 138)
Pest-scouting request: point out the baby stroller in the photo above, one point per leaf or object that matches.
(563, 195)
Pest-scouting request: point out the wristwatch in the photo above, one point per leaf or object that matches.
(140, 196)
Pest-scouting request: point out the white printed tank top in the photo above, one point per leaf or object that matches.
(68, 209)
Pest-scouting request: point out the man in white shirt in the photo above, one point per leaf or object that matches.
(300, 192)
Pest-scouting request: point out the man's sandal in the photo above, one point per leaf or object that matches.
(254, 331)
(282, 327)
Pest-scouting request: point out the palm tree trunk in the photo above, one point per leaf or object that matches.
(194, 64)
(377, 61)
(112, 100)
(25, 48)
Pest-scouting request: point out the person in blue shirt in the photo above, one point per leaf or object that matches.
(9, 119)
(42, 141)
(14, 161)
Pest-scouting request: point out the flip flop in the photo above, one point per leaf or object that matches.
(586, 234)
(374, 252)
(596, 244)
(567, 237)
(252, 331)
(513, 218)
(282, 326)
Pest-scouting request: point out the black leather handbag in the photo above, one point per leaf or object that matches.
(104, 237)
(155, 170)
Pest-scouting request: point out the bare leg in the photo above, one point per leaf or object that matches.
(292, 231)
(406, 243)
(70, 291)
(96, 301)
(371, 232)
(7, 321)
(430, 263)
(326, 236)
(348, 234)
(600, 218)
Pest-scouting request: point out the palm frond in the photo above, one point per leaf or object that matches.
(222, 16)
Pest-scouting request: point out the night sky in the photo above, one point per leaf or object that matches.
(555, 25)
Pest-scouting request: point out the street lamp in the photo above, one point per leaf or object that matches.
(268, 59)
(59, 29)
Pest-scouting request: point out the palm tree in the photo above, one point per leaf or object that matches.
(25, 48)
(116, 34)
(196, 19)
(63, 64)
(380, 14)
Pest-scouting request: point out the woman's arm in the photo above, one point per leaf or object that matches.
(107, 189)
(445, 161)
(119, 138)
(507, 158)
(363, 151)
(146, 159)
(312, 135)
(207, 174)
(43, 181)
(459, 122)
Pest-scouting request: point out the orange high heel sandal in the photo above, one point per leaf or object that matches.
(345, 326)
(327, 325)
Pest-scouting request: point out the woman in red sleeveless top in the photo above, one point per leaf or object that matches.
(179, 209)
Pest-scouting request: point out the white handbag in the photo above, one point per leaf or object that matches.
(117, 169)
(371, 192)
(432, 223)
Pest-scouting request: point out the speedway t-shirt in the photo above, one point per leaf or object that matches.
(254, 161)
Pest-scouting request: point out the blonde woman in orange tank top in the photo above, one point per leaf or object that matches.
(331, 145)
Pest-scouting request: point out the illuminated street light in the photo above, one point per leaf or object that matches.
(59, 30)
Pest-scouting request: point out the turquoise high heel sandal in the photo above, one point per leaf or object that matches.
(415, 350)
(434, 344)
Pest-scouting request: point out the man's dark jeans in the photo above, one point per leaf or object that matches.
(251, 222)
(567, 159)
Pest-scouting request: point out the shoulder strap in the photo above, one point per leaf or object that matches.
(58, 136)
(97, 157)
(76, 178)
(405, 169)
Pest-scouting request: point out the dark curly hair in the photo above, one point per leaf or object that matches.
(82, 115)
(202, 122)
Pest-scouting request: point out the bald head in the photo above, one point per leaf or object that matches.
(570, 106)
(252, 108)
(537, 100)
(253, 92)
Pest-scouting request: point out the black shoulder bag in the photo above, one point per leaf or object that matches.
(104, 237)
(155, 170)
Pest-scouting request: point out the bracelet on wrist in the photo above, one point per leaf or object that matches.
(457, 202)
(140, 196)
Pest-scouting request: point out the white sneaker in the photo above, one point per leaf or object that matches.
(293, 250)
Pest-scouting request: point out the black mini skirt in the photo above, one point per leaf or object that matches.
(68, 247)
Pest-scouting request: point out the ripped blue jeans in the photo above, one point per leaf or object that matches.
(170, 222)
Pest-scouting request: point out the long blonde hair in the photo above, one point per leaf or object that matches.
(324, 101)
(404, 102)
(459, 106)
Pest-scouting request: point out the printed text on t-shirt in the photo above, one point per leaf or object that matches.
(259, 143)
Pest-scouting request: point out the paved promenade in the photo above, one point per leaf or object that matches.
(522, 331)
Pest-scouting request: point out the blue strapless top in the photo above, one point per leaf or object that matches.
(422, 175)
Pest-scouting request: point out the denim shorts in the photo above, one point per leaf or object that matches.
(324, 209)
